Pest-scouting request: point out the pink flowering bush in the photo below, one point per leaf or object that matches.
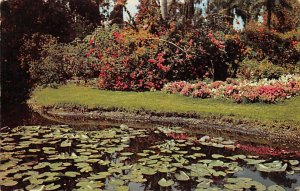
(202, 93)
(175, 87)
(266, 91)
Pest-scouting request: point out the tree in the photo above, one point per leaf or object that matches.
(116, 16)
(226, 7)
(20, 18)
(189, 8)
(275, 7)
(164, 8)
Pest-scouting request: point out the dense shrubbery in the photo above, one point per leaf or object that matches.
(141, 60)
(255, 70)
(267, 91)
(151, 52)
(279, 50)
(49, 61)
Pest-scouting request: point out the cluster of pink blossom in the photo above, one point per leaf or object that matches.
(240, 91)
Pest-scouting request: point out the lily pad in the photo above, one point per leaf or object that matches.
(275, 188)
(165, 183)
(122, 188)
(71, 174)
(294, 162)
(52, 186)
(182, 176)
(271, 167)
(8, 182)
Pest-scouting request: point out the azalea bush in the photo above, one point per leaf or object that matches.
(128, 60)
(240, 91)
(148, 57)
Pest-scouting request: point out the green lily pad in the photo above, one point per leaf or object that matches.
(102, 175)
(254, 161)
(126, 154)
(41, 165)
(165, 169)
(52, 186)
(216, 156)
(294, 162)
(66, 143)
(182, 176)
(71, 174)
(37, 188)
(271, 167)
(116, 182)
(148, 171)
(165, 183)
(275, 188)
(122, 188)
(8, 182)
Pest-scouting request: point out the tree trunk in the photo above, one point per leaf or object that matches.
(189, 9)
(164, 8)
(269, 14)
(116, 16)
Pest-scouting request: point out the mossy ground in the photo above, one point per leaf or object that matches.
(92, 98)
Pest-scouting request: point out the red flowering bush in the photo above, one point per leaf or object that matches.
(266, 91)
(128, 60)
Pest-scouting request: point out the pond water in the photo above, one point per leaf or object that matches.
(60, 157)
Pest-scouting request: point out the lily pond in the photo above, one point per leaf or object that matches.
(123, 158)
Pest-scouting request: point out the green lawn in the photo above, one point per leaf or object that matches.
(288, 111)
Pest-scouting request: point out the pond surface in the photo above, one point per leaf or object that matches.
(122, 158)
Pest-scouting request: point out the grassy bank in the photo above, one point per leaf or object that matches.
(288, 111)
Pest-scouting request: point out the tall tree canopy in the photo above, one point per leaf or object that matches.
(64, 19)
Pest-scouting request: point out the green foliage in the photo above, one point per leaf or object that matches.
(49, 61)
(255, 70)
(49, 67)
(279, 49)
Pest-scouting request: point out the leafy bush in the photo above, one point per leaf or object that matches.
(254, 70)
(143, 59)
(48, 61)
(278, 49)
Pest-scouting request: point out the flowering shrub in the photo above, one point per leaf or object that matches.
(266, 91)
(128, 60)
(202, 93)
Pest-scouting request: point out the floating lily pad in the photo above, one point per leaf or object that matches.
(71, 174)
(294, 162)
(165, 183)
(216, 156)
(126, 154)
(52, 186)
(182, 176)
(102, 175)
(8, 182)
(116, 182)
(122, 188)
(275, 188)
(271, 167)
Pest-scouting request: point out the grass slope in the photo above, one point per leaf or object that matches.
(288, 111)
